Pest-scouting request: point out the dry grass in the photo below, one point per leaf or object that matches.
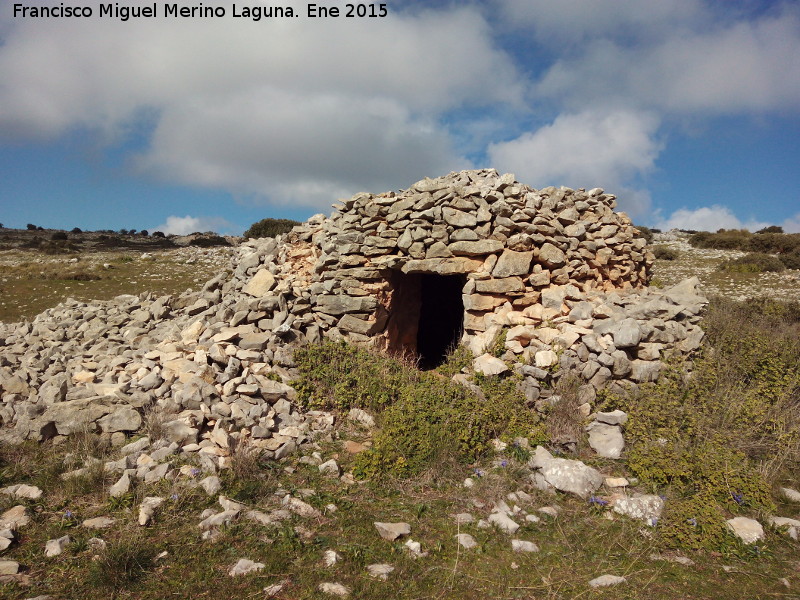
(31, 283)
(563, 421)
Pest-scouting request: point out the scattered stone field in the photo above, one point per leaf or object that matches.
(704, 263)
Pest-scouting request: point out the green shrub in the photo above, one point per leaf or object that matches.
(646, 232)
(724, 239)
(774, 243)
(665, 253)
(341, 376)
(209, 240)
(720, 439)
(791, 260)
(459, 359)
(270, 228)
(766, 241)
(423, 417)
(695, 522)
(753, 263)
(771, 229)
(786, 314)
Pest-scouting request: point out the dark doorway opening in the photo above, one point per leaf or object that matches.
(427, 316)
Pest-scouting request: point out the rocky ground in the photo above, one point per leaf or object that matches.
(168, 498)
(703, 263)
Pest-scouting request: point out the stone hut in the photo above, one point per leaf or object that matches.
(552, 280)
(454, 259)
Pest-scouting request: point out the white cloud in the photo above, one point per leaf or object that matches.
(707, 218)
(792, 224)
(693, 67)
(294, 110)
(593, 148)
(291, 148)
(186, 225)
(590, 18)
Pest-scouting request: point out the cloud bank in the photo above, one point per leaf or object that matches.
(300, 111)
(188, 224)
(712, 218)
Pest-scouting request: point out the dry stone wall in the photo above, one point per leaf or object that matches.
(556, 271)
(510, 241)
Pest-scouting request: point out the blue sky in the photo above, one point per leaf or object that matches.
(689, 110)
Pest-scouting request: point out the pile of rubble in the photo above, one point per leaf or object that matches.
(556, 269)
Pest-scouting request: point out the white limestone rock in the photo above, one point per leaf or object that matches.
(56, 547)
(606, 440)
(503, 522)
(466, 541)
(523, 546)
(748, 530)
(245, 566)
(606, 581)
(334, 589)
(566, 475)
(380, 571)
(392, 531)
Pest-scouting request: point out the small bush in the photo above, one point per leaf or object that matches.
(724, 239)
(695, 522)
(58, 247)
(771, 229)
(719, 440)
(791, 260)
(209, 241)
(76, 230)
(424, 418)
(766, 241)
(59, 235)
(774, 243)
(270, 228)
(122, 564)
(753, 263)
(563, 421)
(665, 253)
(158, 234)
(646, 232)
(31, 227)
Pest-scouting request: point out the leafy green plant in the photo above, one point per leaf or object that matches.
(647, 233)
(753, 263)
(665, 253)
(270, 228)
(717, 441)
(207, 241)
(791, 260)
(423, 417)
